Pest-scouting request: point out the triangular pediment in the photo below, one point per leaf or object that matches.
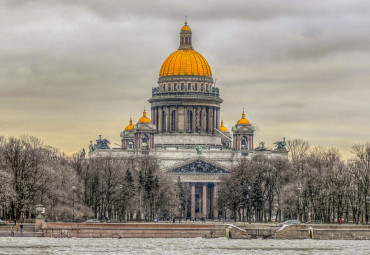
(199, 166)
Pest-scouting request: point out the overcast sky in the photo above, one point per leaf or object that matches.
(71, 70)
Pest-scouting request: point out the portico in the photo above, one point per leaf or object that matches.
(203, 177)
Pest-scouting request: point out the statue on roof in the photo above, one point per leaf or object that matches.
(280, 145)
(102, 144)
(83, 153)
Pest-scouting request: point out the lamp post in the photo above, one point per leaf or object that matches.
(249, 204)
(299, 202)
(368, 203)
(73, 203)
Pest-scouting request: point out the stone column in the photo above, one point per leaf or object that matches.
(168, 124)
(160, 112)
(193, 200)
(204, 201)
(194, 117)
(215, 198)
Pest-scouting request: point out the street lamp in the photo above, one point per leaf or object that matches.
(299, 202)
(368, 203)
(73, 203)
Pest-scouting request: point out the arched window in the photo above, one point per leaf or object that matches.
(189, 86)
(186, 40)
(173, 120)
(164, 118)
(169, 87)
(145, 141)
(244, 143)
(195, 87)
(202, 87)
(182, 86)
(131, 145)
(189, 121)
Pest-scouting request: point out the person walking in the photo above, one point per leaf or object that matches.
(16, 227)
(12, 231)
(21, 228)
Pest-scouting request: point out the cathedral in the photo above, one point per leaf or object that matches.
(185, 131)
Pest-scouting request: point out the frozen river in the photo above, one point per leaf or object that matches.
(9, 245)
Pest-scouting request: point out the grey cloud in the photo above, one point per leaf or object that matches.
(81, 68)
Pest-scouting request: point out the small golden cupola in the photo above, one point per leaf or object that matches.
(130, 126)
(144, 119)
(222, 128)
(243, 120)
(185, 27)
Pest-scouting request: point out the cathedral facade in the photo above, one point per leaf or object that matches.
(185, 131)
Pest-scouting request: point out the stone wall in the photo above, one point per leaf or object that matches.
(137, 230)
(325, 232)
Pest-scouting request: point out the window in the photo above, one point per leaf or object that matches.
(182, 40)
(169, 87)
(195, 87)
(189, 86)
(202, 87)
(173, 120)
(182, 86)
(175, 87)
(186, 40)
(164, 121)
(131, 145)
(189, 121)
(244, 143)
(145, 141)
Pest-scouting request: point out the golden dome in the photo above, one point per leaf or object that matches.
(185, 27)
(130, 126)
(185, 62)
(144, 119)
(243, 120)
(222, 128)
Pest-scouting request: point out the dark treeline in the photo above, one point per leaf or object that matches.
(314, 183)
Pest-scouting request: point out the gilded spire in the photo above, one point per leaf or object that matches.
(222, 128)
(144, 119)
(130, 126)
(243, 120)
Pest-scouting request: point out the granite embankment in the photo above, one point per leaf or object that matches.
(28, 230)
(141, 230)
(325, 232)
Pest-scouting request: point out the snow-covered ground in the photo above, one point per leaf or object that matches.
(9, 245)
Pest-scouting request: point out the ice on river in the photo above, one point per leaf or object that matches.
(33, 245)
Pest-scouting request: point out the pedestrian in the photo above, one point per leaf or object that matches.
(17, 226)
(173, 220)
(12, 230)
(21, 228)
(339, 221)
(356, 221)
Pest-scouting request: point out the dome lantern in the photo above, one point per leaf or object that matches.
(185, 37)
